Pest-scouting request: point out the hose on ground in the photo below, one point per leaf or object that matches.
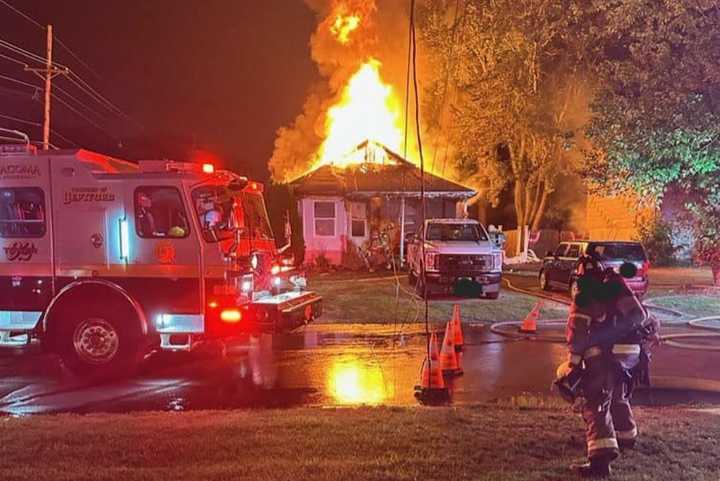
(673, 340)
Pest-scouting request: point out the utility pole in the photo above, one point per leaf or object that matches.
(47, 74)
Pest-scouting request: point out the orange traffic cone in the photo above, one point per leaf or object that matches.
(432, 389)
(448, 357)
(432, 377)
(529, 324)
(458, 338)
(434, 350)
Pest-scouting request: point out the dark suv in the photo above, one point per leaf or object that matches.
(558, 270)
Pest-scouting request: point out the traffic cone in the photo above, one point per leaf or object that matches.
(448, 357)
(434, 350)
(458, 338)
(432, 389)
(529, 324)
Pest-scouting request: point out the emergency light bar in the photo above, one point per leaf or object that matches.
(175, 166)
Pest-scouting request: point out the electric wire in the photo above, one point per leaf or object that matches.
(58, 40)
(37, 124)
(66, 104)
(423, 269)
(10, 59)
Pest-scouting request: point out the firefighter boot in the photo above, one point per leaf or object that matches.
(595, 468)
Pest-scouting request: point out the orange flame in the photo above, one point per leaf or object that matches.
(367, 110)
(343, 26)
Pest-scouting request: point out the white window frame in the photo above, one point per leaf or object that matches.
(316, 218)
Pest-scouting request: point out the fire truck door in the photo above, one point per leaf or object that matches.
(164, 254)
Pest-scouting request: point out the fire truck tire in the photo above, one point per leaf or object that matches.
(99, 340)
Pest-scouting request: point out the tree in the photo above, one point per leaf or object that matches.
(656, 116)
(515, 95)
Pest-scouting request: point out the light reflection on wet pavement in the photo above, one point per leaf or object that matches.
(322, 365)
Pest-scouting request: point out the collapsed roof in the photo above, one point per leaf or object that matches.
(375, 170)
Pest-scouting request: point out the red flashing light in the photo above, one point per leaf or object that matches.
(231, 316)
(212, 304)
(208, 169)
(275, 270)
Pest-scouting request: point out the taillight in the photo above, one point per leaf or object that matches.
(231, 316)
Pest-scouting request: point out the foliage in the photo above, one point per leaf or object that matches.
(656, 115)
(707, 248)
(657, 238)
(510, 84)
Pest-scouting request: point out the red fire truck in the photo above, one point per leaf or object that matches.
(104, 260)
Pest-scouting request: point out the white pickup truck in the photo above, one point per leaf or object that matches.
(460, 258)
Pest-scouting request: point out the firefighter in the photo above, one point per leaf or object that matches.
(604, 340)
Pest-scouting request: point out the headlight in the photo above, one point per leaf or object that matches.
(254, 261)
(431, 261)
(497, 260)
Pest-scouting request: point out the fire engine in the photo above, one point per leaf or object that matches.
(105, 260)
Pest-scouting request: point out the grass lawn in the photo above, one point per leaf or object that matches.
(692, 304)
(469, 443)
(374, 299)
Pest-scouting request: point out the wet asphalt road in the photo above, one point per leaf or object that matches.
(321, 365)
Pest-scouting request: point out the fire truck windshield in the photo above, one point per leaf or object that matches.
(222, 212)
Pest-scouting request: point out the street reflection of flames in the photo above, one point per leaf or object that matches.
(350, 381)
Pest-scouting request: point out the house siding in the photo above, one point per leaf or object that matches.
(616, 218)
(330, 247)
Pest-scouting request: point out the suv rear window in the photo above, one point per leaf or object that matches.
(624, 251)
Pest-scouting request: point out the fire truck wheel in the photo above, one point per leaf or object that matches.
(99, 341)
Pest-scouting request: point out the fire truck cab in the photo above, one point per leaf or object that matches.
(104, 260)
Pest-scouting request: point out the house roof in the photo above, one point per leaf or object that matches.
(391, 175)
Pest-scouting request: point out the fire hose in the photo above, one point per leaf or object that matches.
(673, 340)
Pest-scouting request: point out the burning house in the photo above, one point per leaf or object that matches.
(345, 204)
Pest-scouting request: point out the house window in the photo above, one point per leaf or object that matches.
(159, 213)
(358, 216)
(22, 212)
(358, 228)
(324, 219)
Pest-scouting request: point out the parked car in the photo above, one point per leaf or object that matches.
(459, 254)
(558, 270)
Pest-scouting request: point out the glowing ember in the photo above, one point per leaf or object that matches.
(343, 26)
(367, 110)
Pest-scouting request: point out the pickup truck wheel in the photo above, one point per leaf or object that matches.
(99, 342)
(544, 285)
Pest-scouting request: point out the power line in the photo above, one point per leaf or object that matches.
(26, 17)
(32, 56)
(60, 42)
(10, 59)
(37, 124)
(65, 103)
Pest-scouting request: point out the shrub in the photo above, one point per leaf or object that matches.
(657, 238)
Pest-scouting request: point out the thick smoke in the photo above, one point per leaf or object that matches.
(382, 33)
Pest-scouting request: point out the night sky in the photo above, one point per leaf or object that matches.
(220, 76)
